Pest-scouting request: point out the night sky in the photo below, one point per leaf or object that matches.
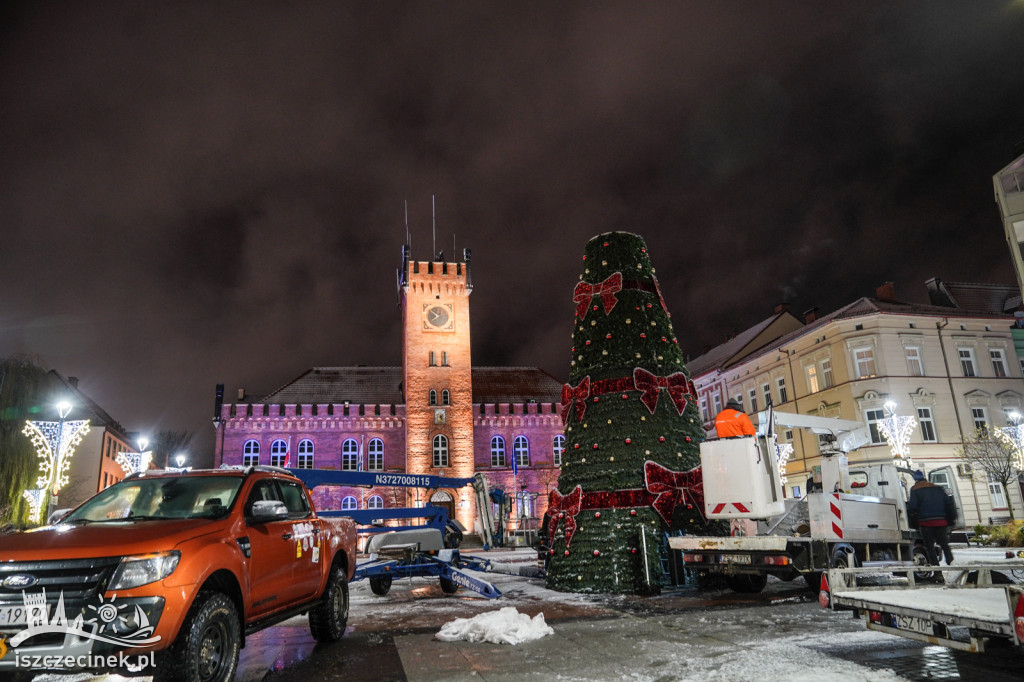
(203, 193)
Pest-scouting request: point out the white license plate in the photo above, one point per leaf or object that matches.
(914, 624)
(735, 558)
(17, 615)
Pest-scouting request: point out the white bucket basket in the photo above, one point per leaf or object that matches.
(741, 481)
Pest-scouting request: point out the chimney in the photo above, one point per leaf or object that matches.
(810, 315)
(73, 382)
(781, 308)
(886, 292)
(241, 394)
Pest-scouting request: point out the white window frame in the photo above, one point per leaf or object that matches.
(278, 452)
(812, 378)
(926, 422)
(446, 397)
(305, 459)
(753, 399)
(915, 361)
(440, 451)
(704, 408)
(780, 386)
(979, 417)
(557, 449)
(827, 378)
(251, 453)
(498, 452)
(432, 397)
(350, 455)
(521, 451)
(873, 416)
(716, 400)
(998, 357)
(766, 391)
(864, 363)
(349, 502)
(375, 455)
(375, 502)
(968, 363)
(997, 494)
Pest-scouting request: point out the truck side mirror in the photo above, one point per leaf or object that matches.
(264, 511)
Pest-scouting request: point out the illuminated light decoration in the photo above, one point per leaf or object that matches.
(1014, 437)
(36, 501)
(784, 451)
(134, 462)
(896, 430)
(55, 444)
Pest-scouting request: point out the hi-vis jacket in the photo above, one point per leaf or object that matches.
(730, 422)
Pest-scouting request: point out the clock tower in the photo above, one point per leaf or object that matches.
(437, 374)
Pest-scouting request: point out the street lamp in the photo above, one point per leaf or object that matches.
(136, 462)
(55, 443)
(896, 431)
(1014, 435)
(180, 460)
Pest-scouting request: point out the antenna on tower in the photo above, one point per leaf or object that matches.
(408, 239)
(433, 218)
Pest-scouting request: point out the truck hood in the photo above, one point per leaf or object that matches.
(67, 541)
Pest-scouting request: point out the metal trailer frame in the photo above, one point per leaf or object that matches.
(840, 591)
(408, 561)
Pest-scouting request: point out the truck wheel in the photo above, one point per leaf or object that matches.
(380, 584)
(206, 649)
(747, 584)
(921, 559)
(448, 586)
(327, 620)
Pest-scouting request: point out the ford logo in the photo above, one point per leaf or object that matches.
(20, 581)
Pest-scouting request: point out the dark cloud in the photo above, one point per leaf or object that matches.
(197, 194)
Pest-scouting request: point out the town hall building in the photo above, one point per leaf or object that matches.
(436, 414)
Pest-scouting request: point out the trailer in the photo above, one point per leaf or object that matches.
(858, 518)
(425, 549)
(974, 606)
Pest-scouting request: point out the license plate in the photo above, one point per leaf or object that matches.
(914, 624)
(735, 558)
(17, 615)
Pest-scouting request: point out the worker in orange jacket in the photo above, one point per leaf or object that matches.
(733, 421)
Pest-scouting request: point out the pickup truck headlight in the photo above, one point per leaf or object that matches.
(134, 571)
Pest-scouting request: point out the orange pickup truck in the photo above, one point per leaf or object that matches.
(165, 573)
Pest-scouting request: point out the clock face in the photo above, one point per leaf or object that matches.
(437, 316)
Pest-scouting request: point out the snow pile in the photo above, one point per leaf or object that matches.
(506, 626)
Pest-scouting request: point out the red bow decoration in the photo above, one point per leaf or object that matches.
(674, 487)
(564, 507)
(607, 289)
(677, 385)
(575, 396)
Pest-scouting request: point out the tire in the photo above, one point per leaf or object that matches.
(448, 586)
(921, 559)
(327, 620)
(380, 584)
(747, 584)
(206, 649)
(452, 537)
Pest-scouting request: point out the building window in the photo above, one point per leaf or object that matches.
(780, 383)
(375, 502)
(433, 359)
(444, 358)
(440, 451)
(812, 379)
(980, 417)
(375, 455)
(557, 448)
(826, 373)
(967, 361)
(924, 417)
(704, 408)
(873, 417)
(433, 397)
(350, 455)
(716, 399)
(497, 451)
(521, 451)
(864, 359)
(753, 400)
(305, 454)
(766, 390)
(446, 397)
(278, 453)
(998, 361)
(915, 367)
(349, 503)
(997, 492)
(251, 453)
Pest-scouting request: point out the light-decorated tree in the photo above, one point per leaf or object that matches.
(631, 464)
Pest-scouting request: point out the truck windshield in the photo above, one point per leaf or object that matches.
(181, 497)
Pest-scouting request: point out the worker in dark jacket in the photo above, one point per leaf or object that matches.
(931, 511)
(733, 421)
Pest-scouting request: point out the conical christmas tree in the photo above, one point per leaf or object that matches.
(631, 465)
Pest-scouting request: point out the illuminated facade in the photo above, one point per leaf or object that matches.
(436, 414)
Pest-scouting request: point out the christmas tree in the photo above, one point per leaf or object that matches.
(631, 465)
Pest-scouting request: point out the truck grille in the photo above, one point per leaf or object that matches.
(78, 579)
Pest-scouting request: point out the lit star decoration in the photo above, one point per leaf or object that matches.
(36, 499)
(55, 443)
(1014, 437)
(896, 430)
(784, 451)
(134, 462)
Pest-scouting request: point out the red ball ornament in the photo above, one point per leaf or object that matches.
(584, 258)
(597, 552)
(661, 439)
(687, 439)
(643, 336)
(596, 399)
(566, 552)
(628, 441)
(632, 550)
(649, 305)
(552, 552)
(625, 397)
(608, 336)
(632, 512)
(664, 340)
(576, 446)
(605, 244)
(597, 515)
(595, 446)
(587, 343)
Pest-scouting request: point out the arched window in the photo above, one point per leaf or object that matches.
(557, 448)
(350, 455)
(375, 502)
(440, 450)
(251, 453)
(305, 454)
(278, 452)
(349, 503)
(375, 455)
(497, 451)
(521, 451)
(446, 397)
(433, 397)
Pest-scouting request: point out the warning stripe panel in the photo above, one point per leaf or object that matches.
(837, 530)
